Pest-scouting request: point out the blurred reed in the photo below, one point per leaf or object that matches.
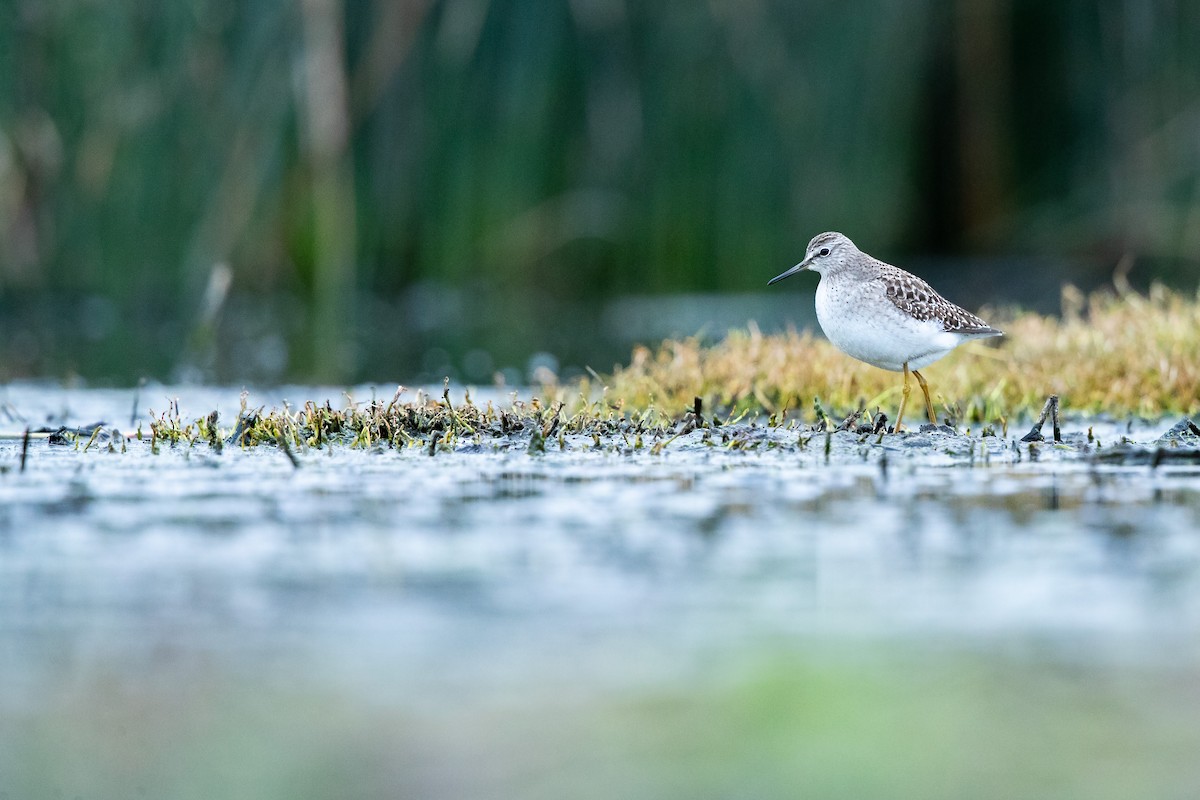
(567, 152)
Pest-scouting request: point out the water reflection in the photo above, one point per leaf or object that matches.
(569, 533)
(372, 608)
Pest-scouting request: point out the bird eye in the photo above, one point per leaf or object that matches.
(824, 251)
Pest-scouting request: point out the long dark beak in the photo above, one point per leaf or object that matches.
(803, 265)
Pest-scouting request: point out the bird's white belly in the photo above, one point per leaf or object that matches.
(867, 326)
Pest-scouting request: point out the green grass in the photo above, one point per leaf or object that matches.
(433, 424)
(1119, 353)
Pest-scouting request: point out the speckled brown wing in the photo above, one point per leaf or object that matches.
(918, 299)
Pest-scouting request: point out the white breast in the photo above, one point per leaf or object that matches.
(862, 322)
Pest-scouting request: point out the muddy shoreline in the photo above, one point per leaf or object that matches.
(303, 421)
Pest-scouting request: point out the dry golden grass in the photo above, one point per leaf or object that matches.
(1117, 352)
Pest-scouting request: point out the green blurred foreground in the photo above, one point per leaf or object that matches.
(831, 723)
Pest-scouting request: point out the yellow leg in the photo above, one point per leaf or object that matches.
(928, 402)
(903, 399)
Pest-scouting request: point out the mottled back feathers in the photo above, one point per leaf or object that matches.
(918, 299)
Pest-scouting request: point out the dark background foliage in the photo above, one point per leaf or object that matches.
(403, 189)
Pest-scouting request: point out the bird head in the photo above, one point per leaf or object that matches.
(825, 251)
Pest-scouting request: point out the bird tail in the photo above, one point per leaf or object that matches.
(981, 332)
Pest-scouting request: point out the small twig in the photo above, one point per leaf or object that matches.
(552, 425)
(282, 441)
(92, 440)
(850, 421)
(880, 425)
(1050, 410)
(400, 389)
(24, 448)
(137, 394)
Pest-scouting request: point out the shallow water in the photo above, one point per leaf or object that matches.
(432, 609)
